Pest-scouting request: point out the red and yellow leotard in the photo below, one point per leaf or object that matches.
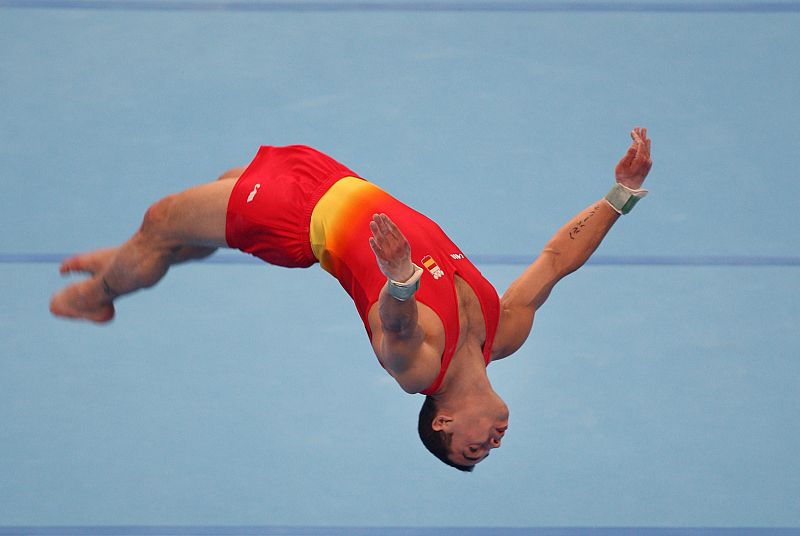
(294, 206)
(340, 240)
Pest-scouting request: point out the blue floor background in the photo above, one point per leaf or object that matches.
(242, 394)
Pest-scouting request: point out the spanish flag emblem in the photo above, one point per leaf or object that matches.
(432, 267)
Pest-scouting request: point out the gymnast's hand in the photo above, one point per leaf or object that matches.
(634, 166)
(391, 248)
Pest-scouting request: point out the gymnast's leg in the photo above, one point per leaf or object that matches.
(180, 227)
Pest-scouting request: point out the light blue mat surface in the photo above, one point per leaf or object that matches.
(658, 394)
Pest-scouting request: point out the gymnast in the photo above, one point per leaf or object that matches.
(434, 321)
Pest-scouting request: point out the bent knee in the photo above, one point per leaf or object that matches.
(156, 221)
(196, 217)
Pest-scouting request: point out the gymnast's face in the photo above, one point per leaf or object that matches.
(476, 431)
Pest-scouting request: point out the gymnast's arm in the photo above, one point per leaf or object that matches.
(408, 351)
(566, 251)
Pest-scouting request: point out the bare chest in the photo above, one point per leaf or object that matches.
(472, 327)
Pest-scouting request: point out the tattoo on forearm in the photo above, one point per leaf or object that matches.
(580, 224)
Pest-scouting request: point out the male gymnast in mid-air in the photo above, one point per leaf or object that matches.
(434, 321)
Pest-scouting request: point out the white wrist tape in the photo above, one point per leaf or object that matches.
(623, 199)
(404, 290)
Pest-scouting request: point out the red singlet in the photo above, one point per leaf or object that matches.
(294, 206)
(340, 240)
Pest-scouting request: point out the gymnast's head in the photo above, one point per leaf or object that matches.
(462, 435)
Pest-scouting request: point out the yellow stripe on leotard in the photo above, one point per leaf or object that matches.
(348, 201)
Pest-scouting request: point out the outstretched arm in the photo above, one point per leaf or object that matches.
(566, 251)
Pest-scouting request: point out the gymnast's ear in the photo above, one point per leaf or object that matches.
(441, 422)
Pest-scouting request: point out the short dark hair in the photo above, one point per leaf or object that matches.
(436, 441)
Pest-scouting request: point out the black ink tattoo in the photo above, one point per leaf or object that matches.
(108, 290)
(579, 225)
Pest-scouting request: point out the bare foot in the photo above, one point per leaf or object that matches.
(82, 300)
(90, 262)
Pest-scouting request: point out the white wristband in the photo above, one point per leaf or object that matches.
(404, 290)
(622, 199)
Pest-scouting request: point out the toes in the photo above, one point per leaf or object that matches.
(102, 315)
(105, 314)
(90, 263)
(54, 308)
(59, 308)
(75, 302)
(73, 264)
(66, 266)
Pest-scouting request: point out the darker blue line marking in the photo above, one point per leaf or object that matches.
(404, 6)
(113, 530)
(493, 260)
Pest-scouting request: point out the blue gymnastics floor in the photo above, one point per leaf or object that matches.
(660, 387)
